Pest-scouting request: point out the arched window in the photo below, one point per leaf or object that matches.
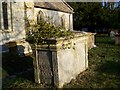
(63, 21)
(0, 16)
(5, 15)
(40, 17)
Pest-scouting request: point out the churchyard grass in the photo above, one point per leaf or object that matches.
(103, 71)
(104, 66)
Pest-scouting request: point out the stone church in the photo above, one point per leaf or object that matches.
(65, 59)
(13, 13)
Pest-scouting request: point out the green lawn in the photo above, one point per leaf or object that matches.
(103, 71)
(104, 66)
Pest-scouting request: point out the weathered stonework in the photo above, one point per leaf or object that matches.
(56, 63)
(22, 47)
(55, 17)
(60, 62)
(91, 40)
(18, 12)
(17, 25)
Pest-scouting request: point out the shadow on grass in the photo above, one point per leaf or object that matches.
(12, 65)
(109, 67)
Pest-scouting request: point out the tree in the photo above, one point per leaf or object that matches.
(95, 16)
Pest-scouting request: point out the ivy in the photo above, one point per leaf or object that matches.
(38, 33)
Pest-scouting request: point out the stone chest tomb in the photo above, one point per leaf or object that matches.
(61, 59)
(59, 62)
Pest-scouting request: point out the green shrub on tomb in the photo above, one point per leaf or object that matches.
(38, 33)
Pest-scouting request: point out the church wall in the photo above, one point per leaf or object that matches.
(16, 24)
(54, 17)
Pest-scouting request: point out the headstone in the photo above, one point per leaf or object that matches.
(112, 34)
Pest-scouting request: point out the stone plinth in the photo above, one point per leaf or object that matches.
(19, 47)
